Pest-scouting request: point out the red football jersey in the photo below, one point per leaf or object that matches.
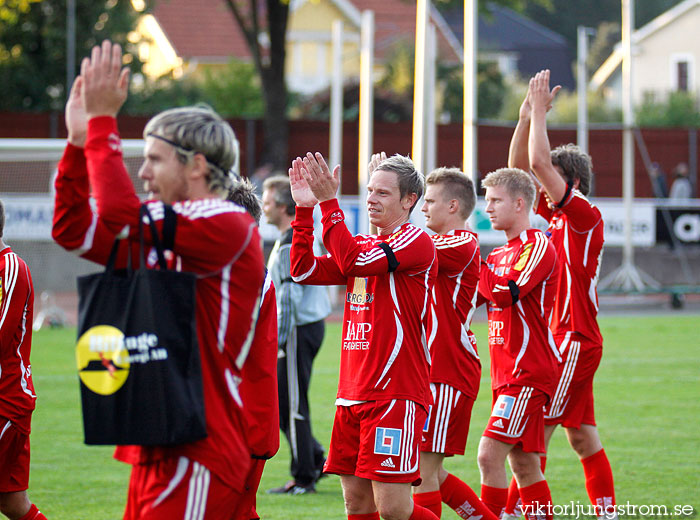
(258, 386)
(522, 348)
(452, 344)
(17, 396)
(384, 351)
(215, 239)
(576, 230)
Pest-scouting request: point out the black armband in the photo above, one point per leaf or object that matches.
(514, 291)
(569, 187)
(390, 256)
(169, 225)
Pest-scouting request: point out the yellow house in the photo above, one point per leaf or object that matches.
(665, 57)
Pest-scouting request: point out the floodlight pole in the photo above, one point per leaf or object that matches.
(419, 87)
(335, 145)
(366, 113)
(582, 87)
(469, 148)
(70, 45)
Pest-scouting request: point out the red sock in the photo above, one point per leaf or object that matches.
(494, 498)
(421, 513)
(537, 501)
(430, 500)
(33, 514)
(368, 516)
(460, 497)
(599, 481)
(514, 501)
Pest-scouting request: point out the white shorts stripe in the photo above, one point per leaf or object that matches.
(558, 404)
(197, 492)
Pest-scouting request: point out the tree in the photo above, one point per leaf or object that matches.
(33, 46)
(679, 109)
(267, 21)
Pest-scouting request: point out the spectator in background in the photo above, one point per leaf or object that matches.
(300, 329)
(658, 181)
(681, 189)
(17, 396)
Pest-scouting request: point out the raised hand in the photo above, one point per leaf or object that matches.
(376, 159)
(301, 193)
(76, 118)
(105, 82)
(322, 182)
(539, 94)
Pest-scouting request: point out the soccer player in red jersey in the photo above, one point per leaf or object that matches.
(576, 231)
(258, 387)
(383, 388)
(188, 155)
(455, 372)
(517, 280)
(17, 397)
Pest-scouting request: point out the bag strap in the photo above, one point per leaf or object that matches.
(145, 216)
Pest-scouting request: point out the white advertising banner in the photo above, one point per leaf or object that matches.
(29, 217)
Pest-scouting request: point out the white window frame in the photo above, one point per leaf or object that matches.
(675, 59)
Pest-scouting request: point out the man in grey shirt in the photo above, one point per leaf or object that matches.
(301, 310)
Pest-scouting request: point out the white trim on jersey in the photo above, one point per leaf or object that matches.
(538, 251)
(526, 336)
(567, 309)
(197, 493)
(205, 208)
(224, 313)
(302, 277)
(394, 352)
(89, 237)
(232, 382)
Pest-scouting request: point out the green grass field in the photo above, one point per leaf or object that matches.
(647, 403)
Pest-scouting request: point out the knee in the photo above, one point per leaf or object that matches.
(525, 467)
(584, 440)
(358, 503)
(14, 505)
(395, 510)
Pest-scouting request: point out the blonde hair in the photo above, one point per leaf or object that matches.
(516, 182)
(455, 185)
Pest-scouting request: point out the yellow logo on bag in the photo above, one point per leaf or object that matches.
(103, 359)
(523, 257)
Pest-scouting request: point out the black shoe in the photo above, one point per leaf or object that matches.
(292, 488)
(319, 468)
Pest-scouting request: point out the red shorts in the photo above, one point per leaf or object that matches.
(177, 488)
(246, 506)
(377, 440)
(14, 458)
(447, 426)
(517, 417)
(572, 403)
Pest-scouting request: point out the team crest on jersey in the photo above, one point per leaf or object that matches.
(503, 407)
(523, 257)
(387, 441)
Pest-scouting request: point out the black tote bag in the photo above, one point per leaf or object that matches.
(138, 354)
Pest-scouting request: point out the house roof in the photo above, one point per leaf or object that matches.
(613, 61)
(205, 30)
(536, 46)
